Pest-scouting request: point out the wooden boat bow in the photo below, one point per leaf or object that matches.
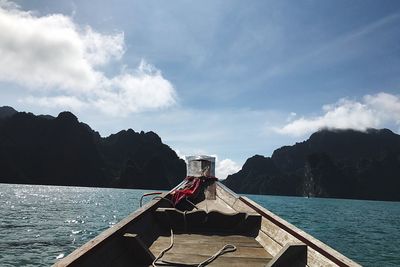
(215, 217)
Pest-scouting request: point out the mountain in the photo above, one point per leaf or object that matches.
(331, 163)
(63, 151)
(141, 160)
(6, 112)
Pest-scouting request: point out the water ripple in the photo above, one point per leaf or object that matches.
(365, 231)
(41, 224)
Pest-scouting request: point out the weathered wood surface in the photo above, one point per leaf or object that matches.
(217, 204)
(97, 244)
(226, 195)
(210, 191)
(195, 248)
(232, 200)
(139, 234)
(319, 254)
(269, 244)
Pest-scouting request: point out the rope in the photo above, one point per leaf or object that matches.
(165, 250)
(226, 249)
(205, 171)
(164, 198)
(184, 220)
(190, 202)
(148, 194)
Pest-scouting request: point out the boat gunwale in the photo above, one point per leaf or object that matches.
(228, 190)
(314, 243)
(108, 233)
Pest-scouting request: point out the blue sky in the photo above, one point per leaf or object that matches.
(228, 78)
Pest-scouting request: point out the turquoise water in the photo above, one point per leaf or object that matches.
(39, 224)
(365, 231)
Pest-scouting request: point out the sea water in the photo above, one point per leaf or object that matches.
(41, 224)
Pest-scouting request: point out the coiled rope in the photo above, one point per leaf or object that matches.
(148, 194)
(226, 249)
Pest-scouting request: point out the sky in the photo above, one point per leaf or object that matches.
(225, 78)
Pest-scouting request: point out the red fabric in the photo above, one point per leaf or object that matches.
(188, 189)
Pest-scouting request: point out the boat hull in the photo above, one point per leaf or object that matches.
(260, 237)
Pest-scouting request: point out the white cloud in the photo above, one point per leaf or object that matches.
(69, 102)
(372, 112)
(226, 167)
(60, 61)
(387, 106)
(291, 116)
(100, 49)
(180, 155)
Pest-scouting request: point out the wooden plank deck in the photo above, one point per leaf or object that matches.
(195, 248)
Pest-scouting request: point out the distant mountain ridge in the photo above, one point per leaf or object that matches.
(331, 163)
(63, 151)
(6, 112)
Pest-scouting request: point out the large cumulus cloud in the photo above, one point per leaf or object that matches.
(373, 111)
(62, 63)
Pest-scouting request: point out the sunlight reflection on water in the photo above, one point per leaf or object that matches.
(40, 224)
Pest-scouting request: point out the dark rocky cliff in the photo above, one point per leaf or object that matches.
(331, 163)
(64, 151)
